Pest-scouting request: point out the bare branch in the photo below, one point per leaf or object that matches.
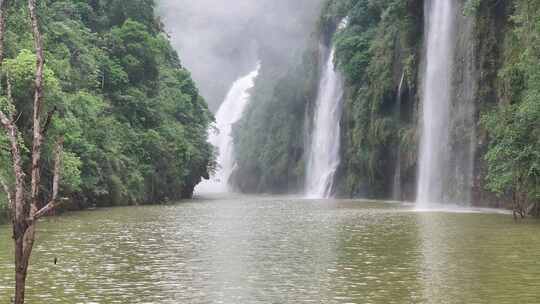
(16, 205)
(12, 135)
(38, 104)
(53, 203)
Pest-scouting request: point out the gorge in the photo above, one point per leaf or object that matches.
(220, 137)
(425, 101)
(419, 86)
(270, 151)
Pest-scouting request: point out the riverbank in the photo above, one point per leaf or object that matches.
(76, 207)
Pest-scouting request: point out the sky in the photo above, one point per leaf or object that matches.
(221, 40)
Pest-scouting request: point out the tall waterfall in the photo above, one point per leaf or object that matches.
(447, 145)
(323, 159)
(396, 187)
(229, 113)
(437, 90)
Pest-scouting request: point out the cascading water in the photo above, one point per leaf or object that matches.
(396, 188)
(437, 90)
(324, 159)
(229, 113)
(446, 163)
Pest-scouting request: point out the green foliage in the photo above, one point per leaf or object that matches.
(269, 139)
(20, 72)
(471, 6)
(513, 156)
(354, 55)
(134, 124)
(71, 172)
(134, 49)
(373, 52)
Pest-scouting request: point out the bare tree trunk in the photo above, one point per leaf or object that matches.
(24, 244)
(38, 103)
(25, 227)
(25, 212)
(22, 259)
(19, 220)
(18, 205)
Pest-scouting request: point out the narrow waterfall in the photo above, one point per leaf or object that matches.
(324, 158)
(396, 187)
(229, 113)
(437, 91)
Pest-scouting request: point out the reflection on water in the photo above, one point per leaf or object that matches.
(280, 250)
(479, 258)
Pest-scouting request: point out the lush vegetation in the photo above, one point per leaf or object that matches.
(134, 124)
(375, 52)
(379, 52)
(269, 139)
(513, 157)
(383, 44)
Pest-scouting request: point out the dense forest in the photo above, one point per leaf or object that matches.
(380, 55)
(134, 123)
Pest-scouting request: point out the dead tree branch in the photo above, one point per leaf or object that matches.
(38, 104)
(53, 202)
(12, 135)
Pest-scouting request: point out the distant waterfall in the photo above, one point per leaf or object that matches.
(437, 92)
(228, 114)
(324, 159)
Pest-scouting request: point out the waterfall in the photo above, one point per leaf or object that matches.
(450, 84)
(437, 91)
(396, 188)
(228, 114)
(323, 159)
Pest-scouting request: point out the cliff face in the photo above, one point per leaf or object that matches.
(492, 27)
(381, 54)
(382, 58)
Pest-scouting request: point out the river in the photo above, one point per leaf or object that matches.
(280, 250)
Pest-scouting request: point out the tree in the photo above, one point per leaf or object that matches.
(26, 210)
(513, 155)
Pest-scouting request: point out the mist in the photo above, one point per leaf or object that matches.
(219, 41)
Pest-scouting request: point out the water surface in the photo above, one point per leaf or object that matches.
(280, 250)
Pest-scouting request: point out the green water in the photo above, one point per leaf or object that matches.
(280, 250)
